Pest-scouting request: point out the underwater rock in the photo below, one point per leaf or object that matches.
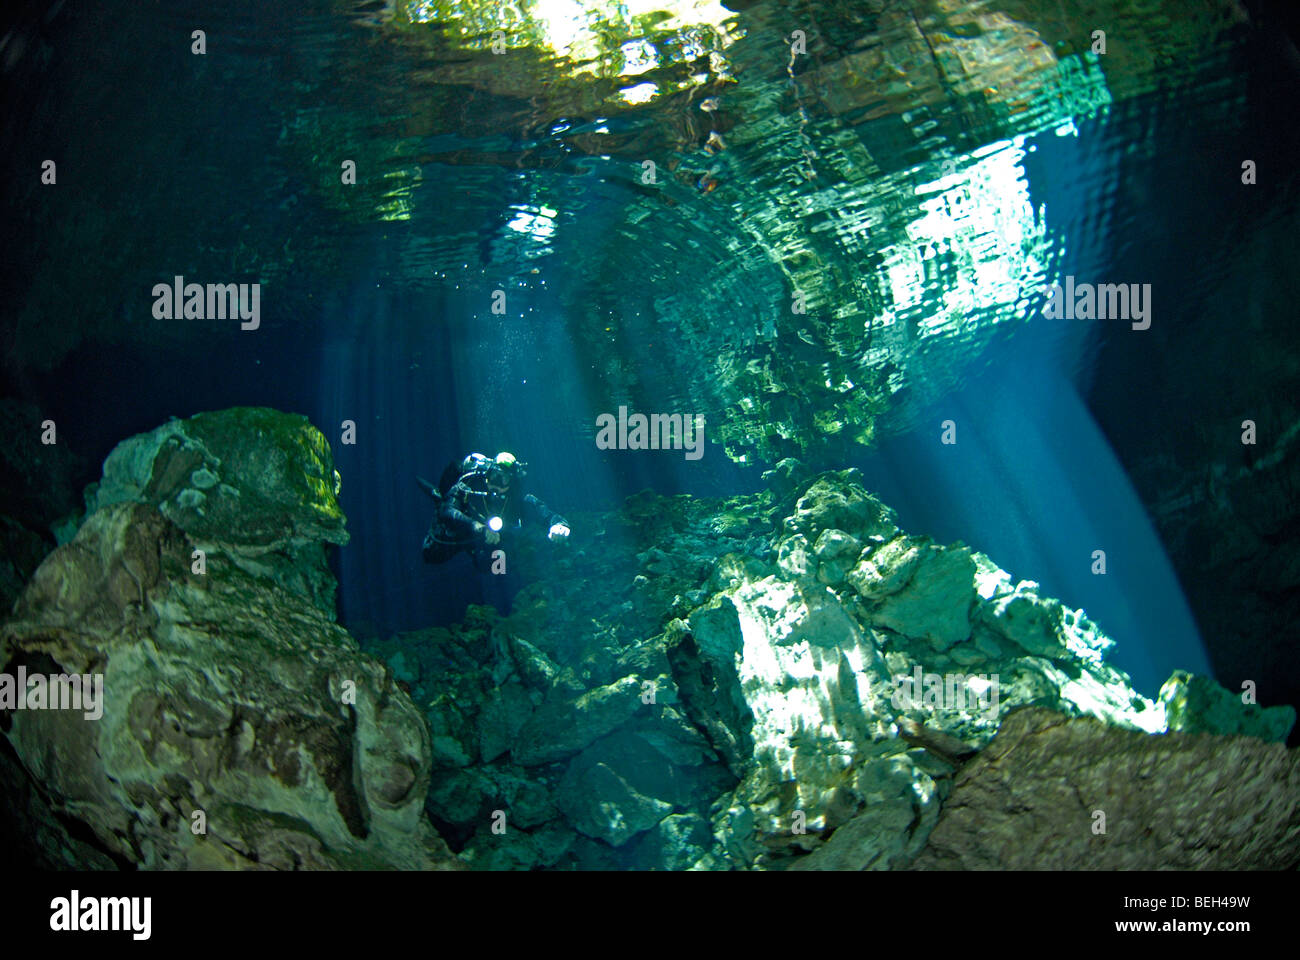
(891, 829)
(31, 832)
(837, 501)
(1031, 800)
(836, 554)
(501, 720)
(250, 482)
(936, 603)
(785, 477)
(777, 720)
(677, 842)
(1028, 621)
(602, 805)
(231, 701)
(1199, 705)
(806, 681)
(888, 569)
(793, 557)
(563, 726)
(518, 849)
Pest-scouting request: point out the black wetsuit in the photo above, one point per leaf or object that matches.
(465, 508)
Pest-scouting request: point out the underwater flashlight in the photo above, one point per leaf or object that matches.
(494, 524)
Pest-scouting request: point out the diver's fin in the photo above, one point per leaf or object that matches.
(429, 488)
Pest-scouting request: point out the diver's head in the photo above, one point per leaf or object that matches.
(503, 471)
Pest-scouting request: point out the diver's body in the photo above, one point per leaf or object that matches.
(483, 500)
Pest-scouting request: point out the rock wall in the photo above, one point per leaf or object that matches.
(239, 726)
(778, 681)
(723, 685)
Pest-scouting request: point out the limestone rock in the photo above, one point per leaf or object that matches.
(716, 629)
(938, 600)
(1172, 802)
(1199, 705)
(793, 557)
(785, 476)
(738, 711)
(501, 720)
(1027, 620)
(601, 804)
(562, 726)
(677, 842)
(836, 501)
(516, 849)
(886, 570)
(224, 693)
(250, 482)
(836, 552)
(887, 834)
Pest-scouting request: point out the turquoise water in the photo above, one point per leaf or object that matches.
(915, 179)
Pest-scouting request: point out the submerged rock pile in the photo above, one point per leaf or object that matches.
(773, 681)
(783, 680)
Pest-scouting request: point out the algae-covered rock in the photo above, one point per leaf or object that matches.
(836, 553)
(260, 476)
(1032, 623)
(793, 556)
(938, 600)
(716, 629)
(886, 570)
(228, 702)
(1199, 705)
(891, 829)
(602, 805)
(250, 482)
(837, 501)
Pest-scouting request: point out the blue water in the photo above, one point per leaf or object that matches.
(404, 345)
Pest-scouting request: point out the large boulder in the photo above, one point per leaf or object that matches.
(237, 725)
(253, 482)
(1055, 793)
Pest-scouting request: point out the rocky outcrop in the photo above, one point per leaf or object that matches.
(1199, 705)
(780, 681)
(239, 726)
(1055, 793)
(762, 683)
(252, 483)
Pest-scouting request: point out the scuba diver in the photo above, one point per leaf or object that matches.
(477, 499)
